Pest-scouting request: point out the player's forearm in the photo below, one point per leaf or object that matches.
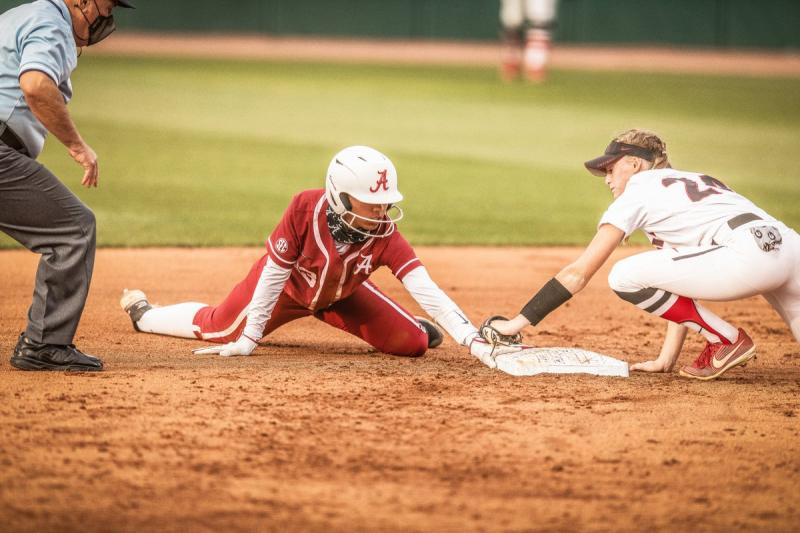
(47, 104)
(439, 306)
(569, 281)
(268, 289)
(549, 298)
(573, 278)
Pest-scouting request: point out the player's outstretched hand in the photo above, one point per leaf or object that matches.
(243, 346)
(498, 330)
(649, 366)
(486, 352)
(481, 349)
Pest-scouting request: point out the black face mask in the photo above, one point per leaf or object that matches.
(339, 230)
(101, 28)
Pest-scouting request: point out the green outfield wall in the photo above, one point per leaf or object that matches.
(716, 23)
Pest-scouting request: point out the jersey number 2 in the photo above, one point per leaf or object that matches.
(693, 189)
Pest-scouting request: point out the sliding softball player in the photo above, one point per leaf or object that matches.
(713, 244)
(318, 262)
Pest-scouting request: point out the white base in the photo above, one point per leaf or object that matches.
(533, 361)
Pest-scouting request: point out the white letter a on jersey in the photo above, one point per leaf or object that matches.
(365, 265)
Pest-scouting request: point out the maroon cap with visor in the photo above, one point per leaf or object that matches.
(614, 152)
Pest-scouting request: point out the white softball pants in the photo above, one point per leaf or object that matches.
(540, 13)
(735, 269)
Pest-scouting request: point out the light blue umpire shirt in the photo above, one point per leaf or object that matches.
(35, 36)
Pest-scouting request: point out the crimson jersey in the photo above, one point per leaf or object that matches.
(320, 275)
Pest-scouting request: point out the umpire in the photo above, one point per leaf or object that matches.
(38, 51)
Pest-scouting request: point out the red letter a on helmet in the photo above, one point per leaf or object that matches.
(382, 182)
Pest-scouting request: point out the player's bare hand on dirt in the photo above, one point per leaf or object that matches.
(243, 346)
(650, 366)
(86, 157)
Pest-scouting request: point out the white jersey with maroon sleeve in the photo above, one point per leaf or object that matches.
(715, 245)
(678, 209)
(320, 274)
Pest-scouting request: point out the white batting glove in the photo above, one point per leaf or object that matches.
(242, 346)
(483, 351)
(486, 353)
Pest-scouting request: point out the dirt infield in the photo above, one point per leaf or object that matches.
(572, 57)
(316, 431)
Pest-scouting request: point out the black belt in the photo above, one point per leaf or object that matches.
(744, 218)
(10, 139)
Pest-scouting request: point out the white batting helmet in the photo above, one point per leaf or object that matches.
(368, 176)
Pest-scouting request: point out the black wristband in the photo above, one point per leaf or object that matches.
(548, 299)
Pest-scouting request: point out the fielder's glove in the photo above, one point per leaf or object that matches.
(494, 337)
(243, 346)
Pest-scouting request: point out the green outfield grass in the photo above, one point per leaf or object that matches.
(210, 152)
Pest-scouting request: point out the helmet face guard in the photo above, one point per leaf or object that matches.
(368, 176)
(388, 220)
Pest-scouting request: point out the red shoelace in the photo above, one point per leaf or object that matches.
(704, 359)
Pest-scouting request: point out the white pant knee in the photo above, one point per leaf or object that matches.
(623, 277)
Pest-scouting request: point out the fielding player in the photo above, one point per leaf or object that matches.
(318, 261)
(527, 28)
(714, 244)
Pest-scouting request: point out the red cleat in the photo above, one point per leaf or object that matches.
(717, 358)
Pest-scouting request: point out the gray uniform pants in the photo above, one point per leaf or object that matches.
(39, 212)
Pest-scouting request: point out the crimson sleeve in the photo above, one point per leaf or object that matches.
(399, 256)
(283, 244)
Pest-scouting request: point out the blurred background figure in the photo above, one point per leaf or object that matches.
(527, 27)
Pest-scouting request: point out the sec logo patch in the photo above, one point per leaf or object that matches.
(282, 245)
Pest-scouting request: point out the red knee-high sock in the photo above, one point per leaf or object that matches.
(687, 312)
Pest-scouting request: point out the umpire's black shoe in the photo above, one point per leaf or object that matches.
(435, 336)
(30, 355)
